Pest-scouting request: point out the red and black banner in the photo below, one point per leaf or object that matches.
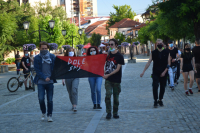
(66, 67)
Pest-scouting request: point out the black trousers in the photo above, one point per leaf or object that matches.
(157, 80)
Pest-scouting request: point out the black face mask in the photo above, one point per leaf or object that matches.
(187, 49)
(160, 46)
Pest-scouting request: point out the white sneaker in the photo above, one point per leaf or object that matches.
(74, 109)
(50, 119)
(43, 117)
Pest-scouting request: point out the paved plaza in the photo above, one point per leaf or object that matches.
(20, 112)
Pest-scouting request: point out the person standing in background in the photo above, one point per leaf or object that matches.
(17, 62)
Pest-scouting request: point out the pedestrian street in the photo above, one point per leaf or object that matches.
(20, 111)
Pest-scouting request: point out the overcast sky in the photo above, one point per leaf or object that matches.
(105, 6)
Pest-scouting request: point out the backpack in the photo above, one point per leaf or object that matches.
(21, 66)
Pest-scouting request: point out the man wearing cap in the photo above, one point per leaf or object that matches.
(161, 63)
(174, 58)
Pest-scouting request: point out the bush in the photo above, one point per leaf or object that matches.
(10, 60)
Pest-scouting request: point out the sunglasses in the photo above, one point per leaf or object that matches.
(110, 44)
(92, 50)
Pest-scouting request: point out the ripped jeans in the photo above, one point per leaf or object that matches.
(172, 72)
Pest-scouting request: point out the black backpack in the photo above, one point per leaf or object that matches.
(21, 66)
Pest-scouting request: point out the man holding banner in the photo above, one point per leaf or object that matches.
(113, 75)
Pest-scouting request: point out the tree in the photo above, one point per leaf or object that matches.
(122, 12)
(95, 40)
(8, 26)
(184, 14)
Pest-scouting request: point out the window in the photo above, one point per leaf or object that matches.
(111, 33)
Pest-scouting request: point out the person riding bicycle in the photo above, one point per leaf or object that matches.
(173, 68)
(26, 63)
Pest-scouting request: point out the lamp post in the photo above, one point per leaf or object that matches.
(123, 33)
(26, 27)
(80, 32)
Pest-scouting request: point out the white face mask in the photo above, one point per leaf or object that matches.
(71, 54)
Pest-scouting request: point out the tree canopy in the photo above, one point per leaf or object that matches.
(124, 11)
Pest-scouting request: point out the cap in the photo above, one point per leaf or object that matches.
(170, 41)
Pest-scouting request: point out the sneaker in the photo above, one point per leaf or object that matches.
(108, 116)
(26, 88)
(43, 117)
(74, 109)
(30, 88)
(50, 119)
(95, 106)
(187, 94)
(190, 90)
(198, 90)
(116, 116)
(172, 88)
(160, 102)
(98, 106)
(155, 104)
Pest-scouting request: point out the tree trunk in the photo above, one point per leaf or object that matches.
(136, 50)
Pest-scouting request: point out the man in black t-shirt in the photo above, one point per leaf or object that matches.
(173, 68)
(26, 63)
(113, 75)
(196, 53)
(161, 63)
(17, 62)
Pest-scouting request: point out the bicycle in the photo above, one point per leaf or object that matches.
(15, 82)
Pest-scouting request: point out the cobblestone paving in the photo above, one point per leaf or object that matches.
(137, 115)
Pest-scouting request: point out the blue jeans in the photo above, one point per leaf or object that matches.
(18, 67)
(41, 97)
(95, 85)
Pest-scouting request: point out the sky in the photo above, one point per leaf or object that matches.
(138, 6)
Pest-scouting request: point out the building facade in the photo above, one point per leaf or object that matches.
(86, 8)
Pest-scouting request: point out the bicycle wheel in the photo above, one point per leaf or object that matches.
(32, 83)
(13, 84)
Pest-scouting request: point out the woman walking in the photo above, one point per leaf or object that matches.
(187, 65)
(95, 82)
(72, 84)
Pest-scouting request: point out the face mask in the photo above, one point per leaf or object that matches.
(26, 54)
(71, 54)
(112, 49)
(170, 45)
(160, 46)
(187, 49)
(43, 52)
(93, 53)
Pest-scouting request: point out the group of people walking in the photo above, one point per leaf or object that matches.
(164, 66)
(167, 62)
(44, 65)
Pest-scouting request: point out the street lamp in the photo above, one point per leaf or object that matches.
(26, 25)
(80, 32)
(136, 33)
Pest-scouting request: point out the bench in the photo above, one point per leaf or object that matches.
(3, 68)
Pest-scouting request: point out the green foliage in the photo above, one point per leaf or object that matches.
(184, 19)
(124, 11)
(119, 37)
(10, 60)
(95, 40)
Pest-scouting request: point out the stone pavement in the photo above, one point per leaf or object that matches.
(20, 112)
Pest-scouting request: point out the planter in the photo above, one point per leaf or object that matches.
(3, 68)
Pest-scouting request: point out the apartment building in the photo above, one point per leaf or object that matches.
(33, 2)
(86, 8)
